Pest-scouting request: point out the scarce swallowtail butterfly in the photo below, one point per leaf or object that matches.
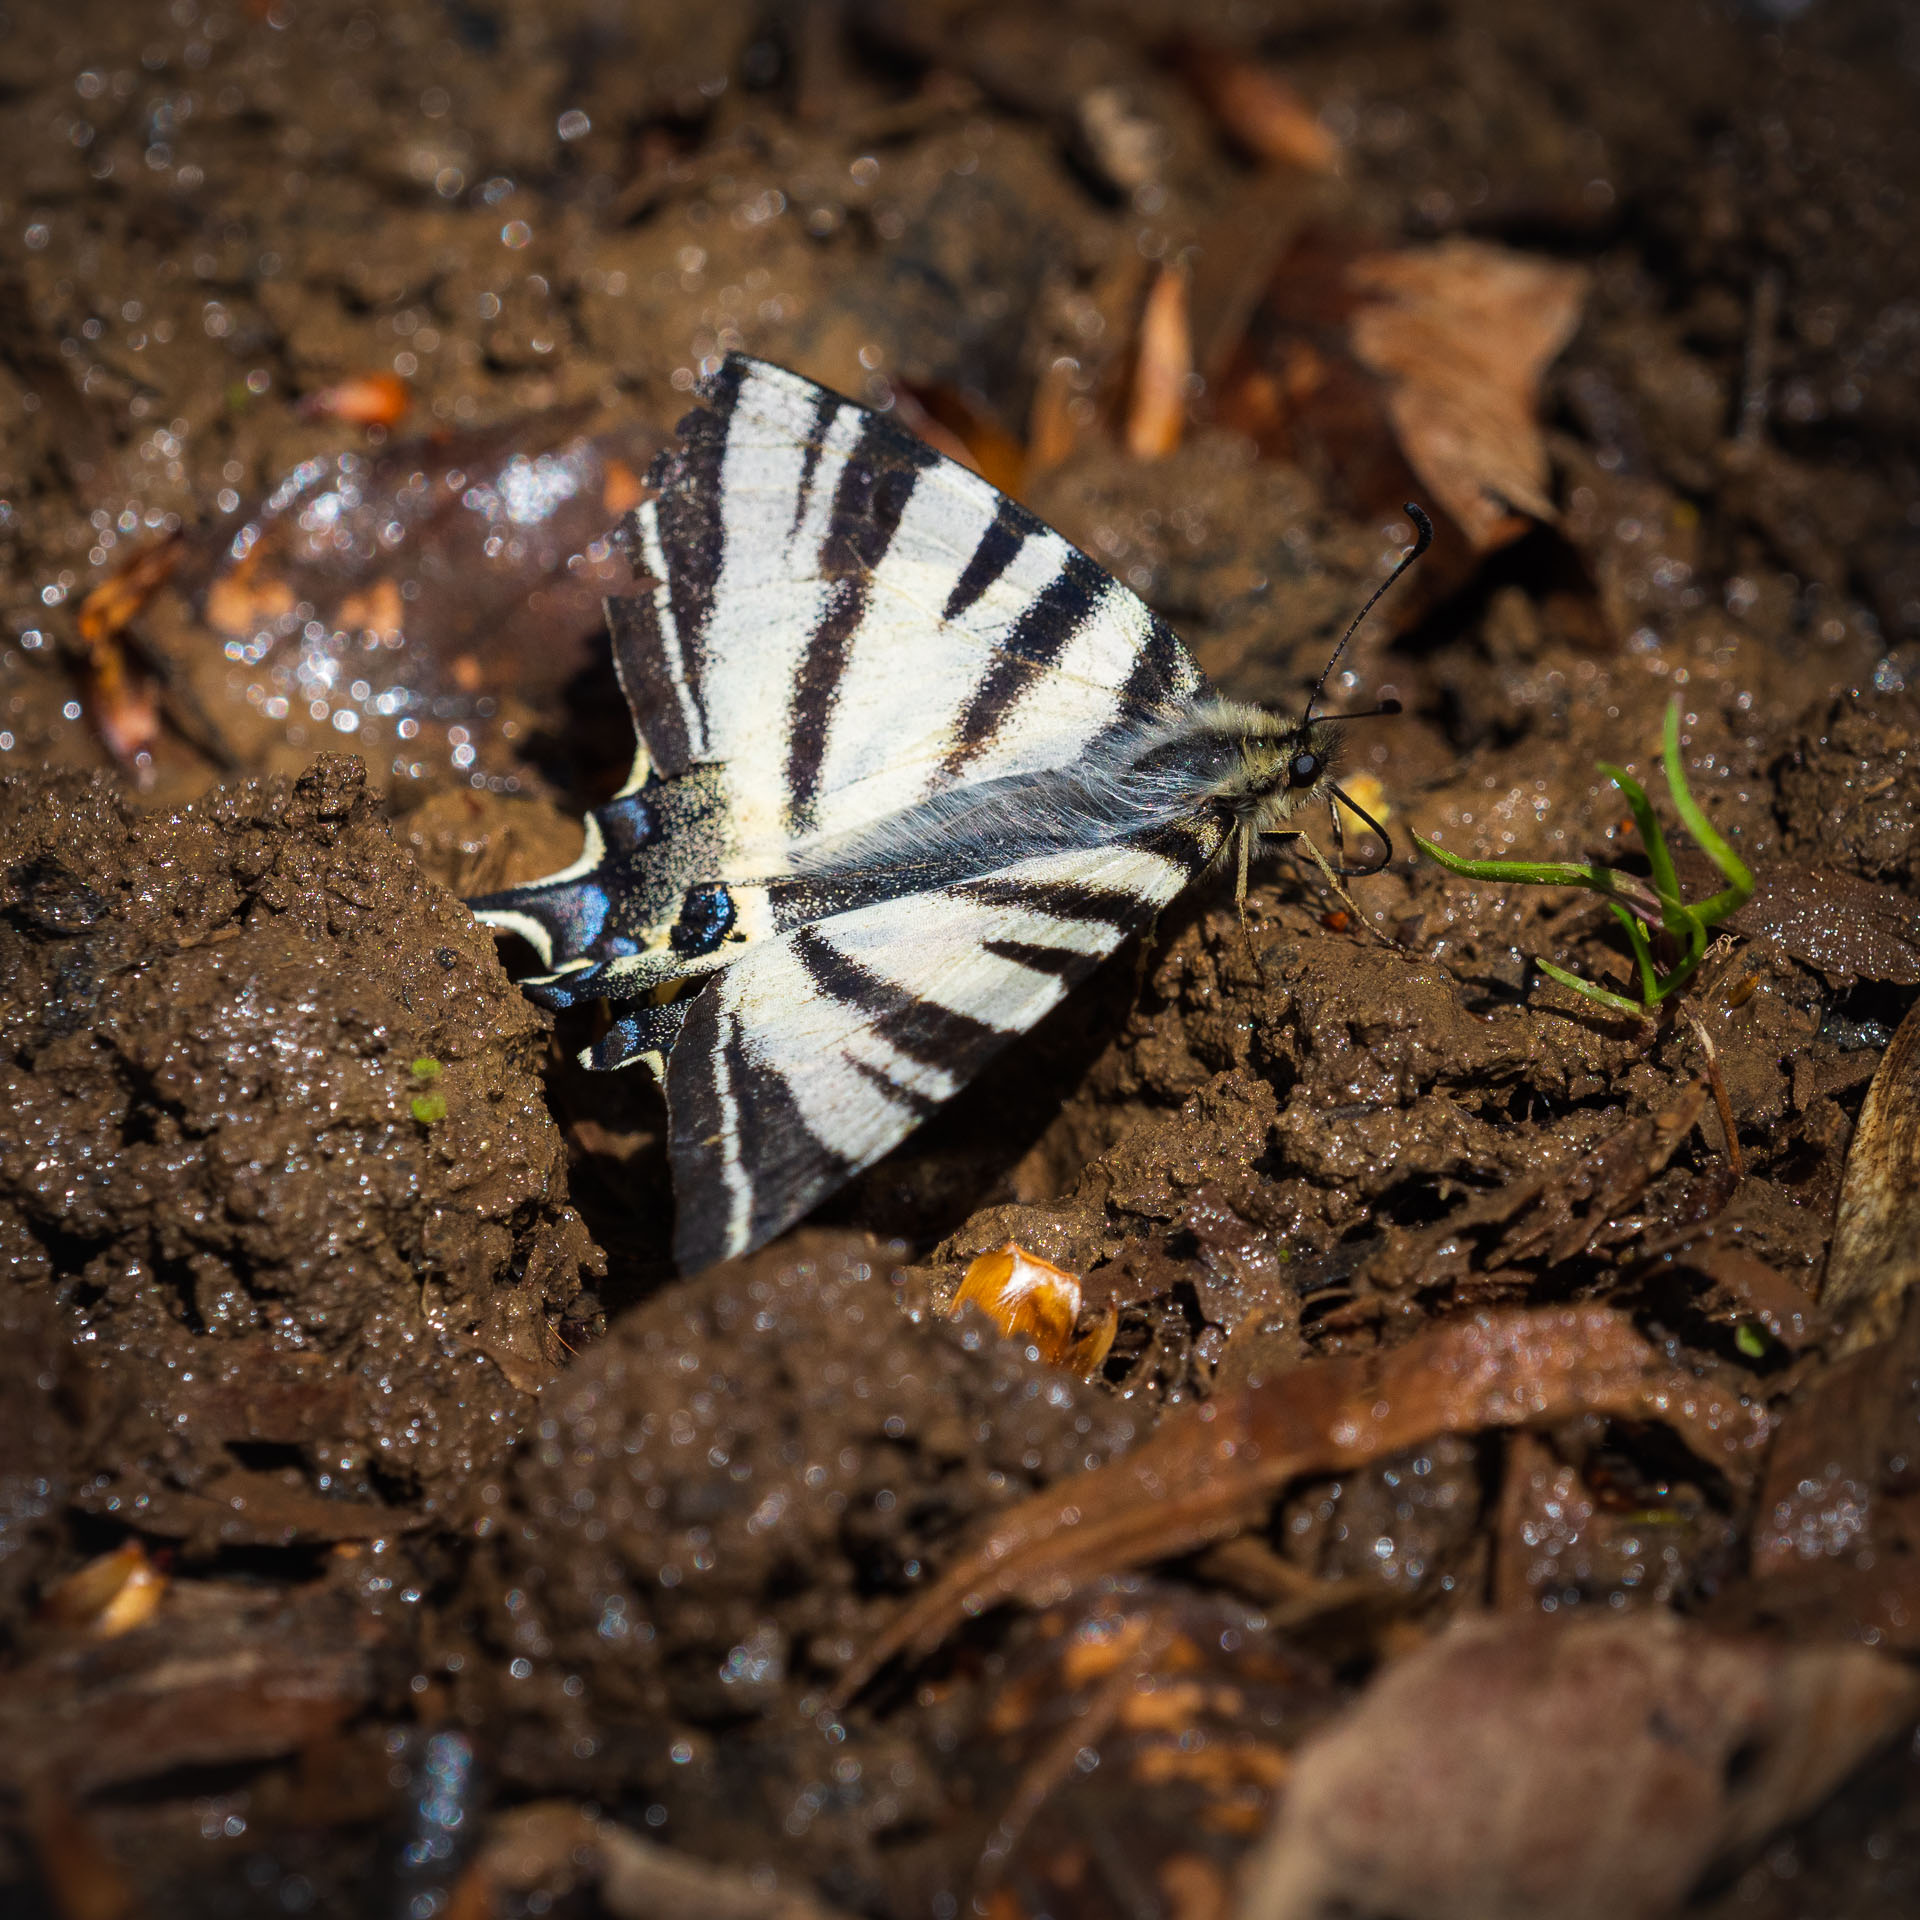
(907, 767)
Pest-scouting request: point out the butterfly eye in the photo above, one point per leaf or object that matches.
(1304, 771)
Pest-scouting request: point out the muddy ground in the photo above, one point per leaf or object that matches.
(1492, 1500)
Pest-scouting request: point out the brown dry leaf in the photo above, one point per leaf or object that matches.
(1157, 406)
(1875, 1258)
(1542, 1767)
(1259, 111)
(1207, 1470)
(1462, 333)
(1844, 1471)
(223, 1674)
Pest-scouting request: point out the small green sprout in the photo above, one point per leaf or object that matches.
(1751, 1338)
(1635, 903)
(427, 1107)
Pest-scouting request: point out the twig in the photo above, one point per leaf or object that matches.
(1757, 373)
(1717, 1082)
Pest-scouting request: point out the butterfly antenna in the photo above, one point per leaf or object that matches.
(1422, 540)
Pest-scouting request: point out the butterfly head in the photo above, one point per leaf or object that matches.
(1279, 767)
(1263, 771)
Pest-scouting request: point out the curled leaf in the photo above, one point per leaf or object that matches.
(1875, 1257)
(1462, 333)
(1157, 407)
(1584, 1768)
(1208, 1470)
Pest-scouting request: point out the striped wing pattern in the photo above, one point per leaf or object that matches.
(847, 622)
(815, 1053)
(840, 625)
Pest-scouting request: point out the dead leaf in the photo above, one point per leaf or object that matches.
(1259, 111)
(122, 698)
(1875, 1257)
(1848, 1446)
(1462, 333)
(1548, 1767)
(1157, 406)
(222, 1674)
(1207, 1470)
(1834, 921)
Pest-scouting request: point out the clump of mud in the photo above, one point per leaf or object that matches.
(723, 1502)
(726, 1495)
(275, 1138)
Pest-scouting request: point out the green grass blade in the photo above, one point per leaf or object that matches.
(1546, 873)
(1618, 1002)
(1536, 873)
(1666, 883)
(1739, 888)
(1642, 952)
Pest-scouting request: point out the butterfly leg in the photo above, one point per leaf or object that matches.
(1333, 880)
(1244, 835)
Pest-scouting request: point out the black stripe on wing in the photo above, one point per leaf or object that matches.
(733, 1124)
(875, 485)
(1035, 642)
(922, 1029)
(826, 410)
(658, 651)
(1012, 526)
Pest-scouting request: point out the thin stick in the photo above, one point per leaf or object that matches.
(1717, 1082)
(1763, 321)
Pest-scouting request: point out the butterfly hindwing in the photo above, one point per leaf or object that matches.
(815, 1053)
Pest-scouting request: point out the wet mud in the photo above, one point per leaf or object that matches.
(384, 1525)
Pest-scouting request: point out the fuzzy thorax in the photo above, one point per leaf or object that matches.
(1260, 767)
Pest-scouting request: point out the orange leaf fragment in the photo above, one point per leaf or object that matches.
(110, 1595)
(123, 702)
(1031, 1299)
(1157, 406)
(1261, 113)
(362, 400)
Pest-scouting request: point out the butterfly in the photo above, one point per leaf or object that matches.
(907, 767)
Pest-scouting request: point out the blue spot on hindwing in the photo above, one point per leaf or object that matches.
(705, 920)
